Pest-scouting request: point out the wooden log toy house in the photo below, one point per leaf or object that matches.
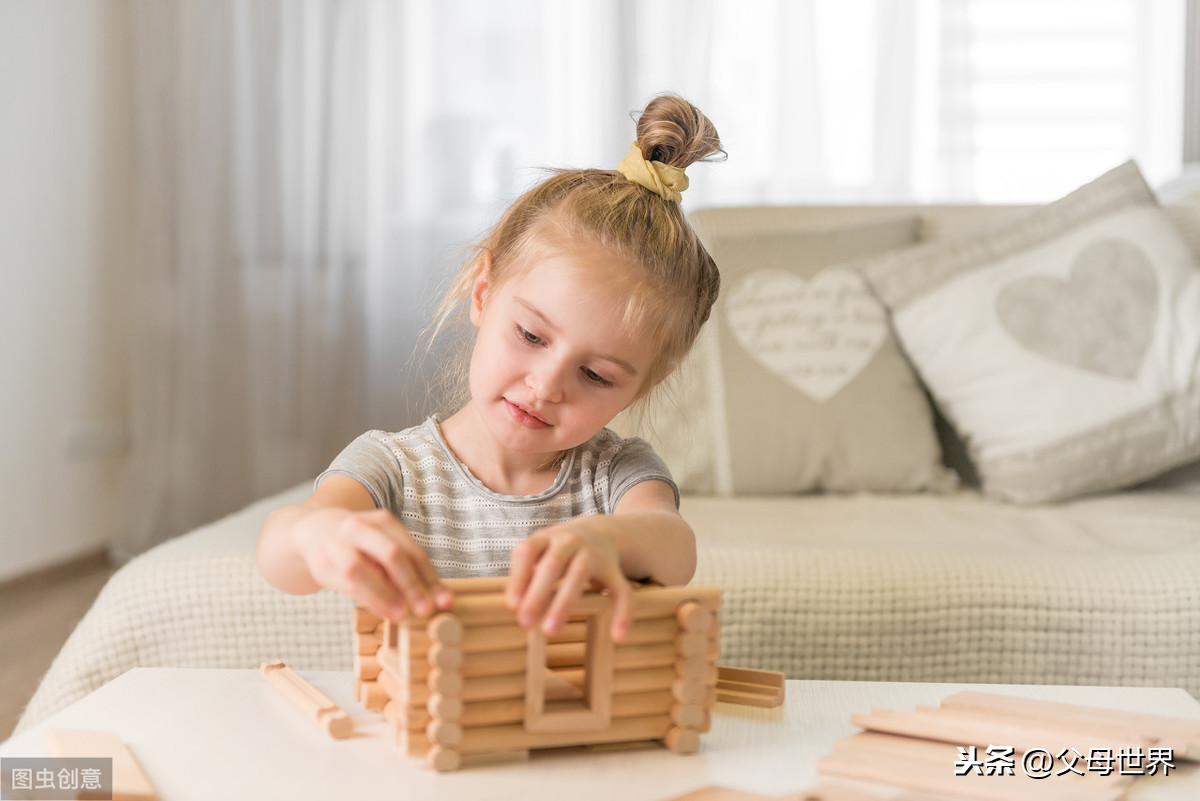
(470, 685)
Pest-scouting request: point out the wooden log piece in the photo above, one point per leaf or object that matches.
(308, 699)
(373, 696)
(365, 622)
(444, 657)
(682, 741)
(366, 643)
(694, 618)
(445, 707)
(445, 682)
(443, 759)
(445, 628)
(366, 666)
(444, 733)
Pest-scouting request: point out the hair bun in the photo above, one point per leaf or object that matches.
(675, 132)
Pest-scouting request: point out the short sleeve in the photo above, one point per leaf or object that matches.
(634, 462)
(369, 461)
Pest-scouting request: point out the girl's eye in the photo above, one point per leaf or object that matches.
(595, 377)
(530, 337)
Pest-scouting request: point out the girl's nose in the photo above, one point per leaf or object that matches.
(546, 382)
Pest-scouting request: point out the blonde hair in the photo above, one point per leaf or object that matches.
(675, 280)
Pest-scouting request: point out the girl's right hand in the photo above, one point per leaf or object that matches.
(372, 558)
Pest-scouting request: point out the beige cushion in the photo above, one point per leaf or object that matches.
(1063, 345)
(798, 383)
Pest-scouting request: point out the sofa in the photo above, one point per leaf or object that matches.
(851, 495)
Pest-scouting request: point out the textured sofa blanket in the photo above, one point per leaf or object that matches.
(869, 587)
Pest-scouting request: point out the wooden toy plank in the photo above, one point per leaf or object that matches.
(129, 781)
(971, 727)
(927, 766)
(308, 699)
(366, 643)
(1180, 734)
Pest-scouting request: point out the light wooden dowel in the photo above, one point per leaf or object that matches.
(495, 738)
(308, 699)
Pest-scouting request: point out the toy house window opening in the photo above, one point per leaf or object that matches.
(569, 681)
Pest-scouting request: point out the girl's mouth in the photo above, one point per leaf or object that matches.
(525, 418)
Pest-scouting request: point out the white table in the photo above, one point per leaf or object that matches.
(205, 734)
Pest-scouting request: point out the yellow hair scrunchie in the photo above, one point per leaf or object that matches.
(664, 180)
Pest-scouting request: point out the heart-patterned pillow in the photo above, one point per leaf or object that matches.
(1100, 319)
(1101, 296)
(816, 334)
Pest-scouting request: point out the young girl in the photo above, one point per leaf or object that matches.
(587, 293)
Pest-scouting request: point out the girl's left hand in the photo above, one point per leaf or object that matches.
(551, 569)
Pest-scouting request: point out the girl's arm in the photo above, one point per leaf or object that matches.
(337, 539)
(644, 538)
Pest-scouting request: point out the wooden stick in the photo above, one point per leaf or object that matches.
(929, 767)
(366, 666)
(129, 782)
(1180, 734)
(366, 643)
(365, 622)
(682, 741)
(970, 727)
(308, 699)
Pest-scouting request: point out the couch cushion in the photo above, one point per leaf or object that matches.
(1063, 345)
(797, 383)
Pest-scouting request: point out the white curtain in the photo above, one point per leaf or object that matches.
(248, 328)
(311, 172)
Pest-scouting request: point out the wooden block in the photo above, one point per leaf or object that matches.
(682, 741)
(929, 767)
(444, 707)
(445, 657)
(1180, 734)
(366, 666)
(697, 667)
(494, 663)
(373, 695)
(444, 733)
(308, 699)
(687, 691)
(365, 622)
(443, 759)
(366, 643)
(694, 618)
(445, 628)
(445, 682)
(761, 688)
(972, 727)
(689, 716)
(129, 781)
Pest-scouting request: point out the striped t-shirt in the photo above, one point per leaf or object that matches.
(466, 528)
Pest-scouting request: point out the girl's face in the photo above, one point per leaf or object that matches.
(553, 361)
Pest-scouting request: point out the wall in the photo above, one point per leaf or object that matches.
(65, 159)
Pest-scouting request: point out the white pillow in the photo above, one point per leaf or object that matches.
(1063, 345)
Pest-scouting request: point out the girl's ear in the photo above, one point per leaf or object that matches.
(481, 285)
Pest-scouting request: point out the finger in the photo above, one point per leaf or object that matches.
(622, 595)
(549, 569)
(520, 568)
(570, 589)
(349, 572)
(396, 556)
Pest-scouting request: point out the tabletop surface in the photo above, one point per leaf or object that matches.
(204, 734)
